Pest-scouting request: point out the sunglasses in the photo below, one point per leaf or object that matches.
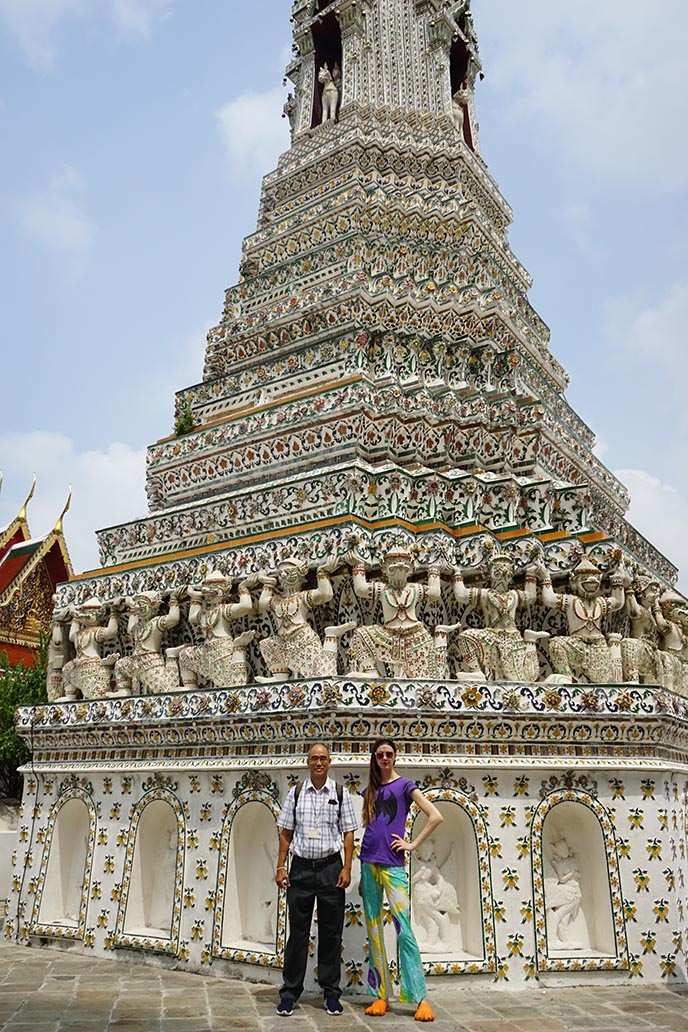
(384, 754)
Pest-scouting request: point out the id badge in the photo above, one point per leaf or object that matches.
(313, 833)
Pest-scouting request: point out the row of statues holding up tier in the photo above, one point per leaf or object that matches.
(655, 651)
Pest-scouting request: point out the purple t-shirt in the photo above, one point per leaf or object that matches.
(392, 804)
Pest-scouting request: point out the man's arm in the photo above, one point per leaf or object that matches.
(281, 874)
(344, 879)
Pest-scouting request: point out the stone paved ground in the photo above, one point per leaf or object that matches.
(48, 991)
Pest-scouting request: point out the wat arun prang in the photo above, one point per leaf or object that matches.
(423, 542)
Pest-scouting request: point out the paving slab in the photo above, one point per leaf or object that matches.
(42, 990)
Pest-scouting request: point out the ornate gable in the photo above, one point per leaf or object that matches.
(30, 570)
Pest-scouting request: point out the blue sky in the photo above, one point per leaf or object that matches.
(133, 137)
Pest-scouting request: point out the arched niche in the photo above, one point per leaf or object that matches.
(463, 68)
(251, 896)
(451, 897)
(150, 907)
(576, 886)
(327, 47)
(249, 913)
(62, 893)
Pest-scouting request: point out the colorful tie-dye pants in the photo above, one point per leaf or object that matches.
(377, 879)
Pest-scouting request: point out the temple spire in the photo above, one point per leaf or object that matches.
(409, 57)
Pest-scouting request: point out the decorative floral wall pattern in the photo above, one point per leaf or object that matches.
(506, 770)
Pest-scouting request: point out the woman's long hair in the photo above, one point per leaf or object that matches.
(374, 779)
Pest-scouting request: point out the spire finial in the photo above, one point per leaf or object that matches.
(58, 526)
(22, 511)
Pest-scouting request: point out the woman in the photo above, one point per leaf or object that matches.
(386, 803)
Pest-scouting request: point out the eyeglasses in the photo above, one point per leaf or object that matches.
(384, 754)
(318, 759)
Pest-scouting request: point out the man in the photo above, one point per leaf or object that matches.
(317, 818)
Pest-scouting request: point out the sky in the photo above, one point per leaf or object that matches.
(133, 138)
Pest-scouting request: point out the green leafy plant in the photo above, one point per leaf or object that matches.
(184, 421)
(19, 686)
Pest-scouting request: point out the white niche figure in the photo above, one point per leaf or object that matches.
(250, 904)
(567, 928)
(150, 899)
(577, 896)
(446, 904)
(66, 874)
(435, 901)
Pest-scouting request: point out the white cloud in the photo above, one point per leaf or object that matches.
(33, 23)
(577, 216)
(108, 487)
(660, 513)
(36, 24)
(605, 87)
(654, 337)
(659, 331)
(138, 18)
(253, 131)
(54, 219)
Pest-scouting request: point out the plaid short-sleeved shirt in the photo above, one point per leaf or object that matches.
(317, 809)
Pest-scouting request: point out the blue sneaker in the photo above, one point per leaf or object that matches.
(285, 1007)
(332, 1005)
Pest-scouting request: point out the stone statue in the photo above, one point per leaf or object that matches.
(675, 645)
(459, 101)
(563, 898)
(74, 881)
(498, 651)
(220, 659)
(261, 914)
(164, 870)
(146, 630)
(403, 641)
(296, 649)
(640, 653)
(86, 673)
(436, 911)
(57, 653)
(289, 111)
(584, 651)
(331, 82)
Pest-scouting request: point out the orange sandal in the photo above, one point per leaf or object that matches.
(377, 1008)
(424, 1012)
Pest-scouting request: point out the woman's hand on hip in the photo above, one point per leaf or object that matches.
(401, 845)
